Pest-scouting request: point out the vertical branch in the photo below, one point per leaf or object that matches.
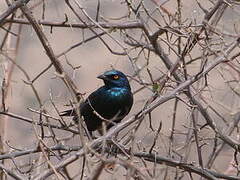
(5, 90)
(8, 68)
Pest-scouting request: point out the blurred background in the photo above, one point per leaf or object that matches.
(133, 54)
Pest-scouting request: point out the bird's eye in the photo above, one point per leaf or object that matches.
(115, 77)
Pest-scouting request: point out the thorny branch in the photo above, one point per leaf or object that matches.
(178, 62)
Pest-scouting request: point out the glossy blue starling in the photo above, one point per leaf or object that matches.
(110, 103)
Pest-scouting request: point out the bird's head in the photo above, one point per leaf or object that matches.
(114, 78)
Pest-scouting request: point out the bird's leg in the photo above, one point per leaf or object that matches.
(100, 131)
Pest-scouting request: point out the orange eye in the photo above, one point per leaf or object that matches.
(115, 77)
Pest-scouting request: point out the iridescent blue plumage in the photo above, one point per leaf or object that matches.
(111, 102)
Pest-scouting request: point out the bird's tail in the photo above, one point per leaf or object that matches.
(69, 112)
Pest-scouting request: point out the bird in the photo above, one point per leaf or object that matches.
(110, 103)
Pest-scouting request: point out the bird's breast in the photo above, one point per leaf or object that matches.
(118, 94)
(108, 103)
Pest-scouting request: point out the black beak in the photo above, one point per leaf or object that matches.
(102, 76)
